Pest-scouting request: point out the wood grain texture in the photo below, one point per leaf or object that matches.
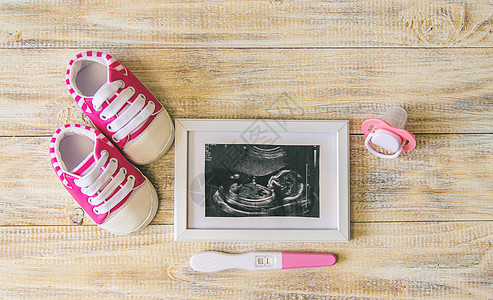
(397, 260)
(446, 178)
(422, 225)
(443, 90)
(246, 23)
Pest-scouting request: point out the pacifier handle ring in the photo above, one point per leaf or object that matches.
(388, 156)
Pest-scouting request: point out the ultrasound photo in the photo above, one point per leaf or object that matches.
(245, 180)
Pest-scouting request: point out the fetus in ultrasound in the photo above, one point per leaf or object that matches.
(262, 180)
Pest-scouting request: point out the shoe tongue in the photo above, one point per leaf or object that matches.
(114, 75)
(85, 166)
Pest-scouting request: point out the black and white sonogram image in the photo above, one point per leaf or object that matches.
(245, 180)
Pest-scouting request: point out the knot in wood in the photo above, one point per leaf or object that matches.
(436, 25)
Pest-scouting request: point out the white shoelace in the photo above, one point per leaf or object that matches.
(94, 180)
(134, 115)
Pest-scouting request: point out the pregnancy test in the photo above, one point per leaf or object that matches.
(212, 261)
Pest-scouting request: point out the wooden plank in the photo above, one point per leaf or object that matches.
(247, 23)
(443, 90)
(384, 260)
(447, 177)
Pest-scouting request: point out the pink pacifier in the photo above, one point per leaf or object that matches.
(389, 133)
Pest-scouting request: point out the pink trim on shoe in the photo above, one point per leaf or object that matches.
(68, 177)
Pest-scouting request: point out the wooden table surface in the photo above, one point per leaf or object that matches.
(421, 225)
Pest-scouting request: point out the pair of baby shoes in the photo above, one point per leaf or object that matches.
(95, 165)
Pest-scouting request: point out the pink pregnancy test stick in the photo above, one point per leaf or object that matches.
(256, 261)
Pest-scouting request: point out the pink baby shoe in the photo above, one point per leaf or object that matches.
(120, 106)
(111, 190)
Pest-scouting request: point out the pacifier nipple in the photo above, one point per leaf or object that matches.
(388, 133)
(396, 116)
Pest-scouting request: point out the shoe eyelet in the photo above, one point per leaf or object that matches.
(68, 185)
(115, 139)
(108, 127)
(114, 160)
(124, 171)
(122, 83)
(104, 152)
(96, 211)
(103, 117)
(131, 177)
(90, 200)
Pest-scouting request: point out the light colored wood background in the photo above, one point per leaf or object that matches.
(422, 225)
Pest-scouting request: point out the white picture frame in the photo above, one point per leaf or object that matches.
(192, 135)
